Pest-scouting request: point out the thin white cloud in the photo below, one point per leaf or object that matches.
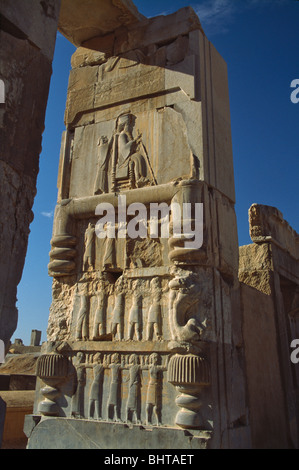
(216, 15)
(49, 215)
(162, 13)
(213, 10)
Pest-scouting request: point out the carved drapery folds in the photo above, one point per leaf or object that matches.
(123, 162)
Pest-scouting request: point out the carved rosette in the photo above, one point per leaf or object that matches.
(51, 369)
(189, 374)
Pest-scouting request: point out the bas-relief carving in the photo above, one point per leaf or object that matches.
(185, 302)
(89, 247)
(131, 151)
(117, 322)
(100, 318)
(136, 365)
(61, 309)
(167, 55)
(135, 315)
(133, 406)
(114, 391)
(124, 157)
(142, 253)
(126, 162)
(153, 399)
(137, 304)
(101, 182)
(82, 322)
(124, 309)
(109, 387)
(154, 320)
(130, 311)
(96, 390)
(77, 404)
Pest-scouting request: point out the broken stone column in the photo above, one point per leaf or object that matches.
(35, 337)
(149, 326)
(27, 38)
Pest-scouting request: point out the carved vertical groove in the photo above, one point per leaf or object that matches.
(51, 366)
(188, 369)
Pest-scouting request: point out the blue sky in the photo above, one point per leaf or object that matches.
(259, 40)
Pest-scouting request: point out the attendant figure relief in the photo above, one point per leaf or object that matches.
(96, 390)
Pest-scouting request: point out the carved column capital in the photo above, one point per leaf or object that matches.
(189, 374)
(51, 369)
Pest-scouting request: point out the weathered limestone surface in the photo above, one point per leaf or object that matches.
(145, 330)
(37, 23)
(85, 434)
(269, 276)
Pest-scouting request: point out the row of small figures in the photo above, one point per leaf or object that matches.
(154, 318)
(116, 363)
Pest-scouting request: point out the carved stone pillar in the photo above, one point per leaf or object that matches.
(52, 369)
(145, 119)
(189, 374)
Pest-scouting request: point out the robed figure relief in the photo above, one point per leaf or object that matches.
(77, 404)
(89, 248)
(101, 182)
(123, 158)
(115, 385)
(154, 321)
(118, 314)
(154, 389)
(133, 407)
(95, 396)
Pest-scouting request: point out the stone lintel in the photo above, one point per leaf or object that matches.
(143, 33)
(80, 21)
(158, 30)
